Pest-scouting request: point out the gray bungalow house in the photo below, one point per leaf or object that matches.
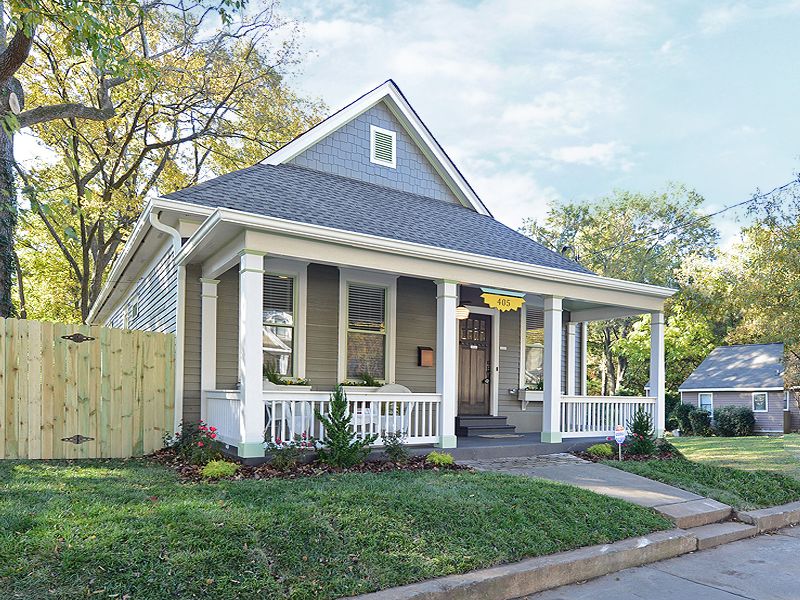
(359, 249)
(749, 375)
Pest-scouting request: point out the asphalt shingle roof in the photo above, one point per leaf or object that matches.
(308, 196)
(754, 366)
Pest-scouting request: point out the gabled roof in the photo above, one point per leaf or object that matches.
(745, 367)
(317, 198)
(389, 93)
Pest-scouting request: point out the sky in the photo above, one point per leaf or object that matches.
(540, 101)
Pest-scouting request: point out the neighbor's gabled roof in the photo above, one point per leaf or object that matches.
(745, 367)
(308, 196)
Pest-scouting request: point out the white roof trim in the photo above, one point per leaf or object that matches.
(413, 125)
(736, 389)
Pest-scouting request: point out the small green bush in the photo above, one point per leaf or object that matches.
(286, 455)
(682, 414)
(196, 442)
(440, 459)
(734, 421)
(640, 434)
(394, 446)
(216, 469)
(601, 450)
(700, 421)
(342, 446)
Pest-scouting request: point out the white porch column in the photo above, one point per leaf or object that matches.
(584, 350)
(208, 341)
(551, 422)
(446, 360)
(251, 354)
(657, 370)
(571, 358)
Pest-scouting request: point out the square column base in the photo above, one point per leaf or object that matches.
(250, 450)
(551, 437)
(447, 441)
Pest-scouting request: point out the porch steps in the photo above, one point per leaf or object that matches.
(471, 426)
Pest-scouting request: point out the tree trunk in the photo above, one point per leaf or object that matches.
(8, 223)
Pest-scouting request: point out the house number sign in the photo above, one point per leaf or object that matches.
(502, 301)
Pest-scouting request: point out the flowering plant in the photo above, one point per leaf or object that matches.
(196, 442)
(287, 454)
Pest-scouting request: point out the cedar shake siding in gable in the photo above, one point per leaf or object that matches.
(771, 421)
(346, 152)
(322, 326)
(416, 326)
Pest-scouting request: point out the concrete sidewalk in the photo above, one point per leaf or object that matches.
(759, 568)
(684, 508)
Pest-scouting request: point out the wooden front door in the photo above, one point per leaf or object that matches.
(474, 365)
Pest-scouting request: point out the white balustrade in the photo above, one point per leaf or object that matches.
(595, 416)
(222, 412)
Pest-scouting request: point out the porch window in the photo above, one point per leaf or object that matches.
(279, 324)
(366, 331)
(760, 403)
(534, 348)
(705, 401)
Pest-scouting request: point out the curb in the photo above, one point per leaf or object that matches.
(545, 572)
(770, 519)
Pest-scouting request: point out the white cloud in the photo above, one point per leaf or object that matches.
(610, 155)
(717, 19)
(513, 196)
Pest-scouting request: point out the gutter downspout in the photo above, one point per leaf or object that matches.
(180, 310)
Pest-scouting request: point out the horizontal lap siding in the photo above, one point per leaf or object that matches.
(416, 326)
(765, 422)
(191, 345)
(508, 404)
(322, 326)
(228, 330)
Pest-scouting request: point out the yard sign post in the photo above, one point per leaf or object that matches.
(619, 437)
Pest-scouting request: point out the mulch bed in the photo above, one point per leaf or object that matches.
(191, 473)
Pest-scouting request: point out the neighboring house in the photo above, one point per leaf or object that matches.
(749, 375)
(358, 248)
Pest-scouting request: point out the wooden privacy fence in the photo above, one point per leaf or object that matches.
(116, 389)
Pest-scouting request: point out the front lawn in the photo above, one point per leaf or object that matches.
(777, 454)
(741, 489)
(115, 529)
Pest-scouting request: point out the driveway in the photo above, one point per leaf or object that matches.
(760, 568)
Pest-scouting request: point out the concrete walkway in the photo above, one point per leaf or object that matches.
(684, 508)
(760, 568)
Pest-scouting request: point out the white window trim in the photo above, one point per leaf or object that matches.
(494, 396)
(299, 271)
(787, 401)
(766, 401)
(377, 161)
(133, 301)
(700, 406)
(348, 276)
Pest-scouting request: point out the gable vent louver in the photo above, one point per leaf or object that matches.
(383, 147)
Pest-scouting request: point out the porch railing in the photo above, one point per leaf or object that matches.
(590, 416)
(222, 411)
(293, 413)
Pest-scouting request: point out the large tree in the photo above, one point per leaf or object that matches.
(211, 102)
(633, 236)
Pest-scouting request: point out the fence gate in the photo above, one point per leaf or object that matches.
(79, 391)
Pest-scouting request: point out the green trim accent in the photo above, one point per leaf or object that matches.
(659, 433)
(250, 450)
(551, 437)
(447, 441)
(503, 292)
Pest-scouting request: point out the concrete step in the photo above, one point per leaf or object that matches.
(715, 534)
(695, 513)
(475, 430)
(468, 420)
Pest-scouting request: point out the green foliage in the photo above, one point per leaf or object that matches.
(734, 421)
(440, 459)
(683, 413)
(286, 455)
(196, 442)
(394, 446)
(342, 446)
(640, 434)
(364, 380)
(217, 469)
(700, 421)
(601, 450)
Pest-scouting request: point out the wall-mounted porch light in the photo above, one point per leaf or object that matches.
(462, 312)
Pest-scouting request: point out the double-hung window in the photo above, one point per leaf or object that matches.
(534, 348)
(705, 400)
(366, 331)
(279, 324)
(760, 402)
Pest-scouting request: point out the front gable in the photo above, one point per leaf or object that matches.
(347, 152)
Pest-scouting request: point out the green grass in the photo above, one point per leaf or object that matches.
(738, 488)
(114, 528)
(777, 454)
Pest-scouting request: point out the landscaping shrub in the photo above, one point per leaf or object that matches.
(671, 402)
(640, 434)
(682, 414)
(440, 459)
(734, 421)
(700, 421)
(601, 450)
(216, 469)
(286, 455)
(342, 447)
(394, 446)
(196, 442)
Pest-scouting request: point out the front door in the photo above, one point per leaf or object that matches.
(474, 365)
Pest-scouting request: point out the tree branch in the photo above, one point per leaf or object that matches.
(74, 110)
(14, 55)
